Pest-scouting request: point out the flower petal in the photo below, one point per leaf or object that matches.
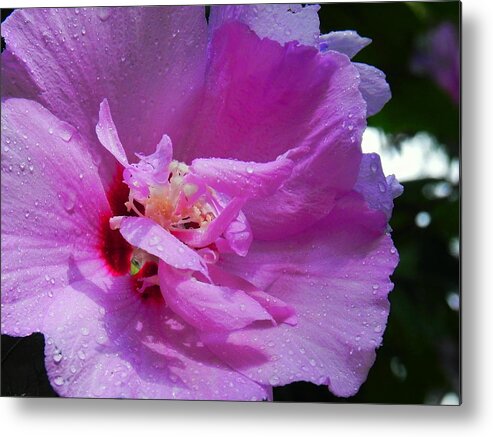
(377, 190)
(243, 179)
(261, 100)
(102, 340)
(280, 311)
(204, 237)
(147, 235)
(343, 41)
(147, 61)
(374, 87)
(336, 276)
(108, 134)
(208, 307)
(16, 81)
(52, 201)
(278, 22)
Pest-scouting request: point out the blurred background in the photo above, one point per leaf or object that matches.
(417, 134)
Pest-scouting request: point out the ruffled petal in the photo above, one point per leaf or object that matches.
(147, 61)
(243, 179)
(280, 311)
(373, 87)
(52, 201)
(278, 22)
(261, 100)
(336, 276)
(102, 340)
(208, 307)
(379, 191)
(343, 41)
(238, 236)
(149, 236)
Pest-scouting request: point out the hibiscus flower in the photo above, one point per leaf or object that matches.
(186, 210)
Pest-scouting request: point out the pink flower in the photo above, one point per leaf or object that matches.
(245, 246)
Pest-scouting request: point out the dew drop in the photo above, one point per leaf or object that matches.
(249, 170)
(84, 331)
(59, 381)
(68, 201)
(57, 357)
(273, 380)
(104, 13)
(65, 132)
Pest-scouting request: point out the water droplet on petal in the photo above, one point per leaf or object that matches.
(104, 13)
(59, 381)
(68, 201)
(57, 357)
(273, 380)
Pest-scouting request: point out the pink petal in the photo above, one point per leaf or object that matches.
(208, 307)
(16, 81)
(151, 170)
(146, 234)
(373, 87)
(345, 41)
(103, 340)
(336, 277)
(52, 201)
(147, 61)
(108, 134)
(243, 179)
(377, 190)
(239, 235)
(279, 22)
(261, 100)
(278, 309)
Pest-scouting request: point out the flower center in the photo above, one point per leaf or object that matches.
(177, 204)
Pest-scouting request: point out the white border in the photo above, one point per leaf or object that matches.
(32, 417)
